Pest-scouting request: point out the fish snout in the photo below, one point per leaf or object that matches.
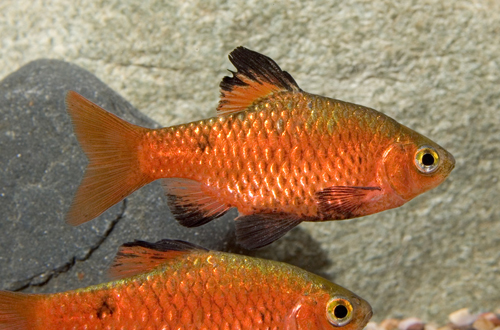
(452, 161)
(367, 318)
(449, 163)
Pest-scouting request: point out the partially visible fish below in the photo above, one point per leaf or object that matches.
(177, 285)
(278, 154)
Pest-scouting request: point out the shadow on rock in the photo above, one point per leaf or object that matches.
(297, 248)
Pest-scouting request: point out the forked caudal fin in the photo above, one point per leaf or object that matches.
(17, 310)
(110, 144)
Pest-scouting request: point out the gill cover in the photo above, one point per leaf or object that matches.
(413, 169)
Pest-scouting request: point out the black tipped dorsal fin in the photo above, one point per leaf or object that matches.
(140, 257)
(257, 76)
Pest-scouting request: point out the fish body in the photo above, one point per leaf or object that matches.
(282, 158)
(278, 154)
(176, 285)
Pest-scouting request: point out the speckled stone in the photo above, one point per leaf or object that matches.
(42, 165)
(431, 65)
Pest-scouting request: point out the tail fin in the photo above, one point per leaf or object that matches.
(111, 145)
(16, 310)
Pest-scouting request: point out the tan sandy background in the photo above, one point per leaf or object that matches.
(432, 65)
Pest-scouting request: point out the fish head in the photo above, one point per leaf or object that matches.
(333, 307)
(414, 167)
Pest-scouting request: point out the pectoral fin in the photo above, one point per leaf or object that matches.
(258, 230)
(342, 201)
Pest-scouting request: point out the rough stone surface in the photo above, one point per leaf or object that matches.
(42, 165)
(432, 65)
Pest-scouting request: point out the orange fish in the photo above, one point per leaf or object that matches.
(177, 285)
(278, 154)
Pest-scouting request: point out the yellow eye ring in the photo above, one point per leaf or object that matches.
(426, 159)
(339, 311)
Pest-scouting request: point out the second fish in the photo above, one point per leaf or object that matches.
(278, 154)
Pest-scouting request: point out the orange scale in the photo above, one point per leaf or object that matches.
(219, 298)
(171, 286)
(262, 167)
(171, 314)
(192, 302)
(157, 316)
(247, 323)
(239, 315)
(268, 153)
(216, 315)
(219, 163)
(186, 316)
(262, 137)
(236, 325)
(246, 126)
(245, 152)
(240, 136)
(236, 125)
(208, 307)
(286, 171)
(227, 314)
(257, 124)
(198, 289)
(235, 301)
(281, 181)
(178, 301)
(269, 124)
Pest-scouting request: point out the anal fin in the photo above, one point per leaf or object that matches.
(258, 230)
(342, 201)
(190, 205)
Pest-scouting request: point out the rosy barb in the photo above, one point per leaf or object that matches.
(278, 154)
(177, 285)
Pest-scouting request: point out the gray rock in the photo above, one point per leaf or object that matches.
(42, 166)
(432, 65)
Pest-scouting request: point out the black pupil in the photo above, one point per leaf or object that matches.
(428, 160)
(340, 311)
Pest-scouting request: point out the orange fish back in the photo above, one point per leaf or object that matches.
(209, 290)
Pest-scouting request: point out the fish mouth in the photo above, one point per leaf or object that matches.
(366, 320)
(452, 162)
(449, 160)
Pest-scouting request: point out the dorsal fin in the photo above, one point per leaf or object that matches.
(140, 257)
(257, 77)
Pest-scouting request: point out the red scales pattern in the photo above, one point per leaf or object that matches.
(276, 157)
(209, 291)
(174, 284)
(278, 154)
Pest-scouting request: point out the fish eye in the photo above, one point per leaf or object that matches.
(339, 311)
(426, 159)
